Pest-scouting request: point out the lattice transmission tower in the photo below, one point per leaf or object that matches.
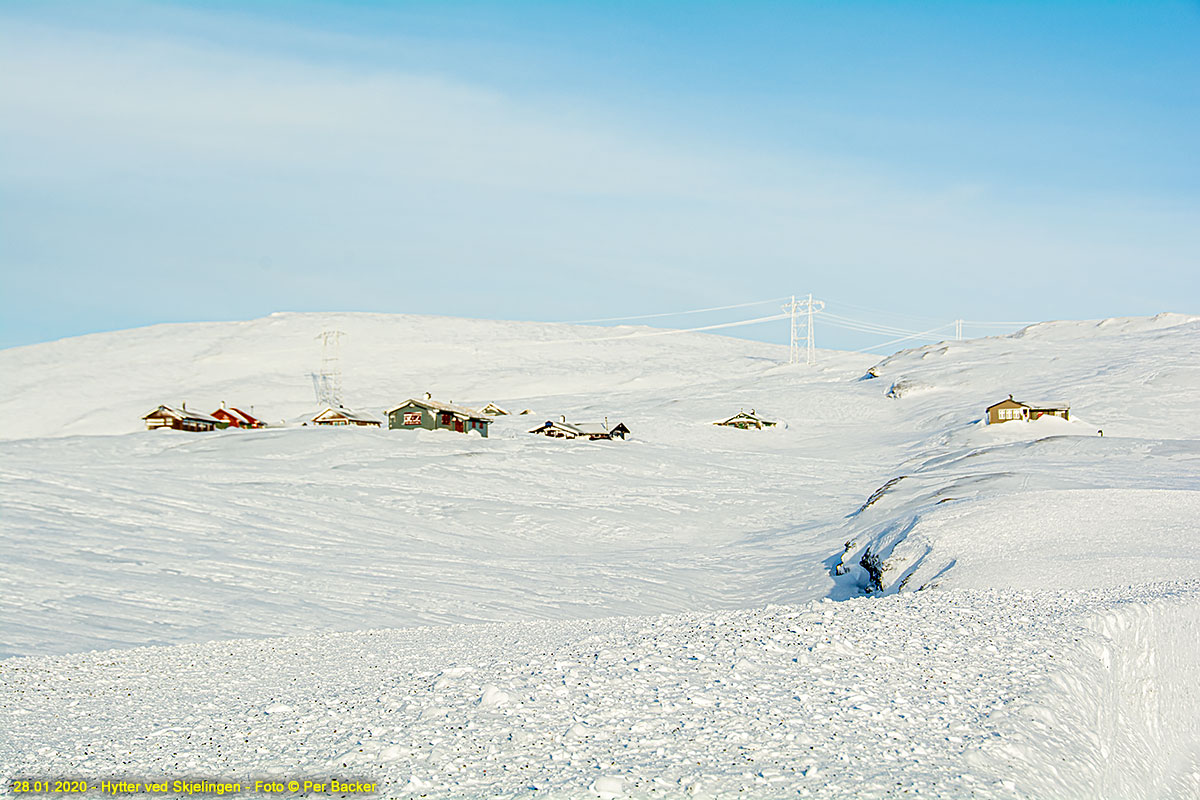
(327, 384)
(809, 307)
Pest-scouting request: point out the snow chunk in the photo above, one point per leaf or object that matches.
(493, 697)
(609, 787)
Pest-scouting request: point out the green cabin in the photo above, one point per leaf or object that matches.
(433, 415)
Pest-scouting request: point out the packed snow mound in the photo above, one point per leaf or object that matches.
(987, 694)
(103, 383)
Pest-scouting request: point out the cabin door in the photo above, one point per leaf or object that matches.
(458, 425)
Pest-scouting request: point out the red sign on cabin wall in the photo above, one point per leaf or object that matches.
(412, 418)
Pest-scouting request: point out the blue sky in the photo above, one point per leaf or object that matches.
(910, 163)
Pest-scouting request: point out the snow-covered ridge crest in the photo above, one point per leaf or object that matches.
(102, 383)
(1065, 330)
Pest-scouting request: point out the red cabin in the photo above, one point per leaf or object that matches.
(237, 418)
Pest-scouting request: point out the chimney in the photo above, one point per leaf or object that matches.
(606, 423)
(428, 396)
(222, 404)
(184, 405)
(562, 417)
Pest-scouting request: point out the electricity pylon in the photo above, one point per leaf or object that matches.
(328, 384)
(810, 307)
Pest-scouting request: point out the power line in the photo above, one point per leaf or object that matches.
(915, 317)
(676, 313)
(793, 309)
(876, 327)
(671, 331)
(663, 332)
(906, 338)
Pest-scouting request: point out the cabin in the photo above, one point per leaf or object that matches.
(1010, 409)
(746, 421)
(434, 415)
(236, 418)
(344, 416)
(591, 431)
(180, 419)
(493, 410)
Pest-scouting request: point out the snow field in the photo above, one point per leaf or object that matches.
(1053, 653)
(165, 537)
(940, 694)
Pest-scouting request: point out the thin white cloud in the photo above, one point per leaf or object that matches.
(150, 148)
(108, 101)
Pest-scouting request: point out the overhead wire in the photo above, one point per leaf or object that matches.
(906, 338)
(994, 324)
(919, 317)
(901, 334)
(853, 326)
(677, 313)
(876, 326)
(668, 331)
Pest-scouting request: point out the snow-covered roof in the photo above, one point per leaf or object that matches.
(744, 415)
(182, 414)
(579, 428)
(346, 413)
(436, 405)
(248, 419)
(1042, 405)
(561, 425)
(238, 414)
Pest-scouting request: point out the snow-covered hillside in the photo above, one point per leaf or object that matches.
(103, 383)
(1059, 618)
(992, 496)
(284, 531)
